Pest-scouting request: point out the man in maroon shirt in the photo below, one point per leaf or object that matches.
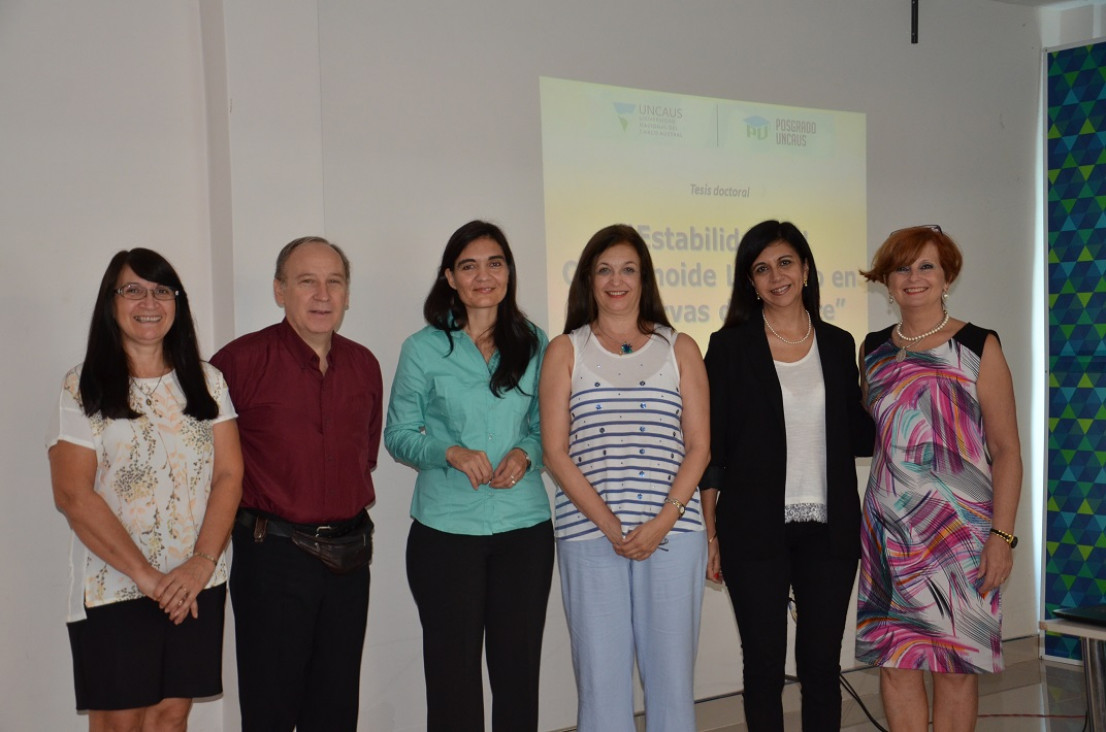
(309, 406)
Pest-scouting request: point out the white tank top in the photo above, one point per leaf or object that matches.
(804, 417)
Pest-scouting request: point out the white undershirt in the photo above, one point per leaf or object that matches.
(804, 416)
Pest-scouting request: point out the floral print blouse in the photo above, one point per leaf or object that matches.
(154, 472)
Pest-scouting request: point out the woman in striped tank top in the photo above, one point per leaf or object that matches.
(625, 430)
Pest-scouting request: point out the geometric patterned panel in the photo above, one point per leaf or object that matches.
(1075, 517)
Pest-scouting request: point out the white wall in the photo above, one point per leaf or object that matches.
(1073, 23)
(102, 147)
(217, 130)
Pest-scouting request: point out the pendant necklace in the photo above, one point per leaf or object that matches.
(809, 329)
(148, 394)
(911, 340)
(625, 349)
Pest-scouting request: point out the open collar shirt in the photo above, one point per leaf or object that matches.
(440, 398)
(309, 440)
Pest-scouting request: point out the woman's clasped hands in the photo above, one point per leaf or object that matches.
(478, 468)
(176, 590)
(640, 542)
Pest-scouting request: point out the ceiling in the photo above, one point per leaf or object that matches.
(1034, 3)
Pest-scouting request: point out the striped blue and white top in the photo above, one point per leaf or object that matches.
(625, 433)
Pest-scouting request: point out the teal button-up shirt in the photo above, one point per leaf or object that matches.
(442, 398)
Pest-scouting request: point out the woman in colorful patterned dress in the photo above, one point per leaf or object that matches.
(625, 426)
(146, 467)
(943, 493)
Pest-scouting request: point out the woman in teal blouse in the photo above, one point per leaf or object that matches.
(464, 413)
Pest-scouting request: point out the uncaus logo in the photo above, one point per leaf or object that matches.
(651, 120)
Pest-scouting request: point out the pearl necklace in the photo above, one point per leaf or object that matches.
(809, 330)
(911, 340)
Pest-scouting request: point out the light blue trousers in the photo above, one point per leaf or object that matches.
(616, 606)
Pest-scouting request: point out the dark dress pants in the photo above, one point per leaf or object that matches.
(759, 592)
(299, 632)
(472, 590)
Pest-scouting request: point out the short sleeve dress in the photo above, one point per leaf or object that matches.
(927, 512)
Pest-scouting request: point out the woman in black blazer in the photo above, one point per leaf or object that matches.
(786, 424)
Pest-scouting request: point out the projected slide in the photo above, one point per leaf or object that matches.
(692, 174)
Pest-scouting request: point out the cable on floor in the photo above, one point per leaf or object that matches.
(856, 697)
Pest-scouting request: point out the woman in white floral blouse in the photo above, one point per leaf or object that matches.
(146, 467)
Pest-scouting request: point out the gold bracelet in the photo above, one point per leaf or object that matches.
(208, 557)
(1008, 538)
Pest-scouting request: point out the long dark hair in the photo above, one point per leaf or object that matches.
(514, 336)
(744, 302)
(105, 377)
(582, 308)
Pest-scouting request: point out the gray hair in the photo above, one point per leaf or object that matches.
(282, 258)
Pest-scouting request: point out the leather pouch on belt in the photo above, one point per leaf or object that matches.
(339, 554)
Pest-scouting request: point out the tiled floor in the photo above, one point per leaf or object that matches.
(1029, 695)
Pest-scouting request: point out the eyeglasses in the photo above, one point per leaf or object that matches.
(138, 292)
(931, 227)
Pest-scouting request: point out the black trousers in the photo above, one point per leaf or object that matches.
(759, 592)
(472, 589)
(299, 632)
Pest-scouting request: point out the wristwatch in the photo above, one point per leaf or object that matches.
(679, 506)
(1008, 538)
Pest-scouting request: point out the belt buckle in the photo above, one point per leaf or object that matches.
(320, 529)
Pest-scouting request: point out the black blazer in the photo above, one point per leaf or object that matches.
(749, 447)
